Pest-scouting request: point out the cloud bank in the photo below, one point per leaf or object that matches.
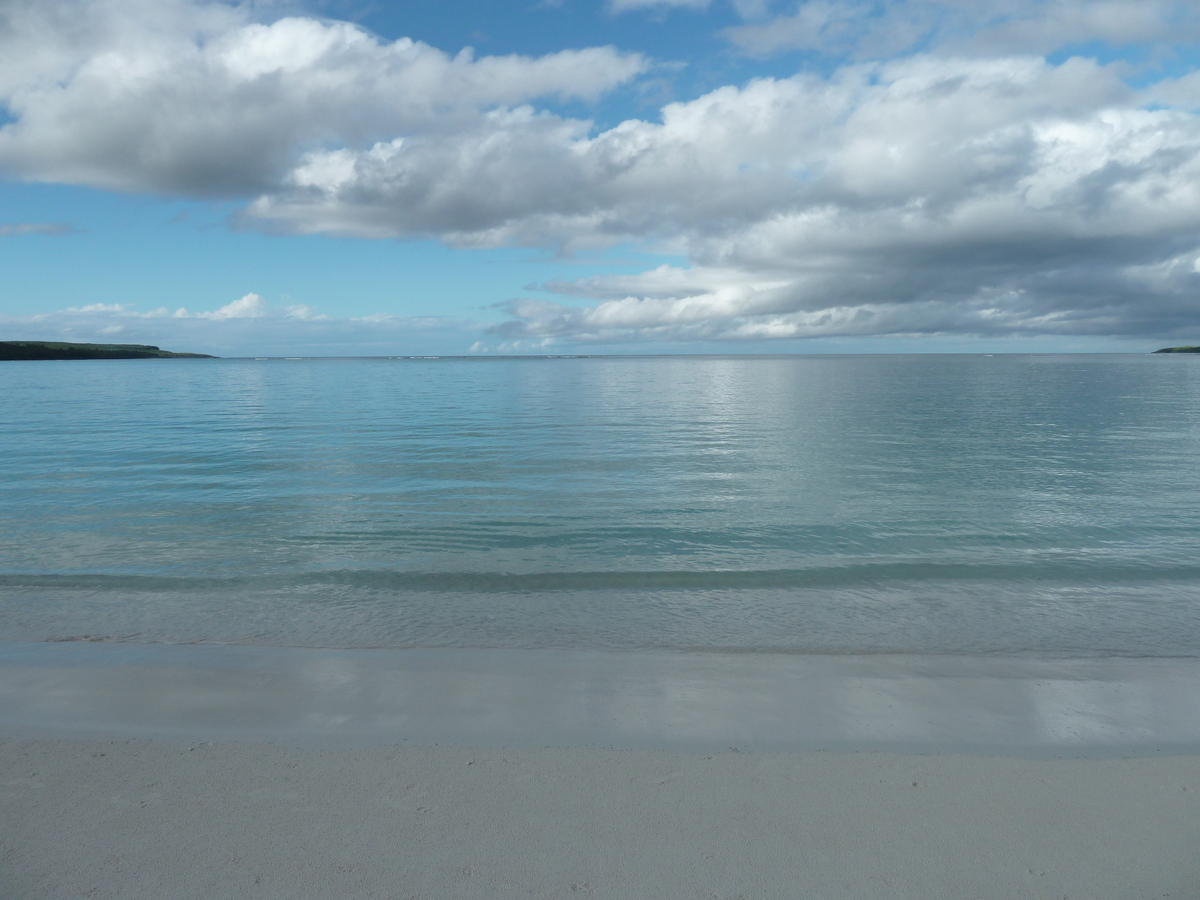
(249, 326)
(973, 187)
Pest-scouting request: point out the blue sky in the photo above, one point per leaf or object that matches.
(363, 177)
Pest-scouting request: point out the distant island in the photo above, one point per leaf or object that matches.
(1178, 350)
(64, 350)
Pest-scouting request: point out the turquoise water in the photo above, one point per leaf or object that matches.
(856, 504)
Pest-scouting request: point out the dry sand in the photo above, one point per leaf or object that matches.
(159, 820)
(164, 773)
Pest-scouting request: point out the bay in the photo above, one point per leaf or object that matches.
(822, 504)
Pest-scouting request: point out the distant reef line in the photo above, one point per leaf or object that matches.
(65, 350)
(1178, 350)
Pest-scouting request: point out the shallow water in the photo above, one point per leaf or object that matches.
(859, 504)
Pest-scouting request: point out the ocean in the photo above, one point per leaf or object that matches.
(925, 504)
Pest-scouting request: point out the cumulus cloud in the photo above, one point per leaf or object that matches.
(978, 192)
(250, 306)
(993, 195)
(190, 98)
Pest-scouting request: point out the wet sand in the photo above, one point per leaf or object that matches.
(142, 772)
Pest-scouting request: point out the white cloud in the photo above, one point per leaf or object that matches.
(927, 132)
(248, 326)
(620, 6)
(195, 98)
(16, 229)
(251, 306)
(747, 9)
(872, 29)
(978, 193)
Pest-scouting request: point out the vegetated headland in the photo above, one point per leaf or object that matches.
(1178, 350)
(64, 350)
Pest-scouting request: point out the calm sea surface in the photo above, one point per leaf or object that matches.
(959, 504)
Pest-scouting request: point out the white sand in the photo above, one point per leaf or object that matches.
(351, 774)
(162, 820)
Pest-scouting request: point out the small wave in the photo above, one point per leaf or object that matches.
(849, 576)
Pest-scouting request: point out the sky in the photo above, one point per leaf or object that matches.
(362, 177)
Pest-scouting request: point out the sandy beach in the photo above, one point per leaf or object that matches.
(173, 772)
(159, 819)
